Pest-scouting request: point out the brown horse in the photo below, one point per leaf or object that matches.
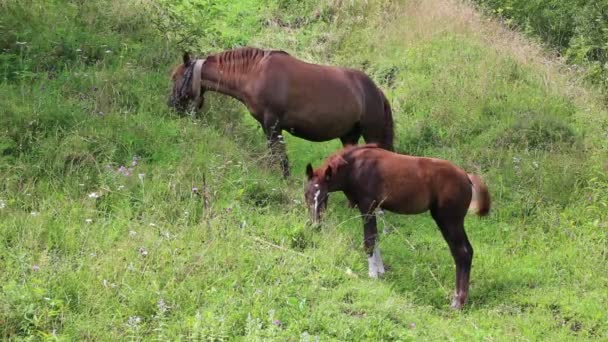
(313, 102)
(373, 178)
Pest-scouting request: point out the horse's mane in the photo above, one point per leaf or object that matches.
(236, 64)
(240, 60)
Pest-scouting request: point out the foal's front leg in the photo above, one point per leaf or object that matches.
(370, 240)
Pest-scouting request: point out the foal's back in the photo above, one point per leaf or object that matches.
(411, 185)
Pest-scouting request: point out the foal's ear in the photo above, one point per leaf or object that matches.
(309, 172)
(328, 173)
(186, 58)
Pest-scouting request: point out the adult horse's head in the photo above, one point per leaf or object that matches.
(187, 89)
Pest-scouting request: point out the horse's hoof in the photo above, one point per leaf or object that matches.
(456, 304)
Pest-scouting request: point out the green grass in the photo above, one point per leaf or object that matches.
(151, 258)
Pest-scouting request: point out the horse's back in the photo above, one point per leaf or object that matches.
(317, 102)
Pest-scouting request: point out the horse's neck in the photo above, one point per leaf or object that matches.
(223, 80)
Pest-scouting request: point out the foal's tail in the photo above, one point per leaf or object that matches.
(389, 130)
(481, 196)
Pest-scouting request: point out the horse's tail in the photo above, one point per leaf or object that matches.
(481, 196)
(389, 130)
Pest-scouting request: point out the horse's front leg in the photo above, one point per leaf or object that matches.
(370, 241)
(276, 142)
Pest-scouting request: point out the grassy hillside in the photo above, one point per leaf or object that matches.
(121, 220)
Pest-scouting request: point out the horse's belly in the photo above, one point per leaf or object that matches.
(408, 203)
(319, 128)
(407, 208)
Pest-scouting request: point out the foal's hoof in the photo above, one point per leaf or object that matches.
(377, 274)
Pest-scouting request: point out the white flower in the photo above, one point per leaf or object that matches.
(88, 220)
(141, 176)
(134, 321)
(34, 213)
(2, 204)
(94, 195)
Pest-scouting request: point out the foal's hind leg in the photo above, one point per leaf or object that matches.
(453, 232)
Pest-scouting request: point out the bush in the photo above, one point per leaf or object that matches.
(578, 29)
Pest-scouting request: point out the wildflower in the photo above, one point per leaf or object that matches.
(125, 171)
(78, 50)
(194, 189)
(134, 321)
(108, 51)
(34, 213)
(135, 160)
(88, 220)
(35, 268)
(162, 306)
(2, 204)
(94, 195)
(152, 224)
(21, 43)
(277, 322)
(141, 176)
(121, 187)
(412, 325)
(132, 233)
(143, 251)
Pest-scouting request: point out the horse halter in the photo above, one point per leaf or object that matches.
(192, 80)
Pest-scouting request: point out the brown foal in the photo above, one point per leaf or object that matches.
(373, 178)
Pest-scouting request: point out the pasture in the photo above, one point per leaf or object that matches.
(120, 220)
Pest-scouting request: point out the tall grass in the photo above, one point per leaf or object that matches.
(121, 220)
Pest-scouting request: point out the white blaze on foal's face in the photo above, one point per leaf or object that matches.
(316, 199)
(317, 193)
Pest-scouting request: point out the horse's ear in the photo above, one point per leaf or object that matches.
(186, 59)
(309, 172)
(328, 173)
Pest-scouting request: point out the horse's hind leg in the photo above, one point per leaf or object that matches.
(373, 133)
(453, 232)
(352, 137)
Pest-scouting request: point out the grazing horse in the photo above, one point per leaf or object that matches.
(372, 178)
(313, 102)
